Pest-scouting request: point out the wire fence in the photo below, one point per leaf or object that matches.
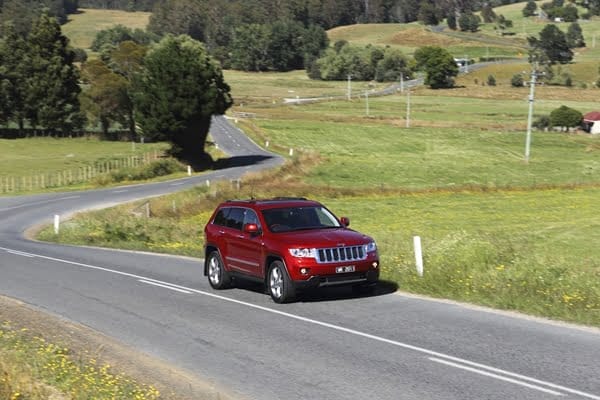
(73, 176)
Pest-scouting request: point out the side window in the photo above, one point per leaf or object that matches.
(235, 219)
(221, 217)
(250, 217)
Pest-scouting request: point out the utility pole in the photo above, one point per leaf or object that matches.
(532, 83)
(408, 108)
(349, 86)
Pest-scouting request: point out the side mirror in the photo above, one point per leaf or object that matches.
(345, 221)
(251, 229)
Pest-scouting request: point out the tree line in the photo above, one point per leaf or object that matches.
(168, 91)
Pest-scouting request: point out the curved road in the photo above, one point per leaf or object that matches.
(331, 345)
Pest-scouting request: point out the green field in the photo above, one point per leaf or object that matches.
(24, 157)
(81, 28)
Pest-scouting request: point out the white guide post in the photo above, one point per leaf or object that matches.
(56, 224)
(418, 255)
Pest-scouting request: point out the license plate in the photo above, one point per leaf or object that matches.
(345, 268)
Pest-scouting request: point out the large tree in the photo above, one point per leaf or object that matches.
(105, 98)
(439, 66)
(565, 117)
(553, 43)
(249, 48)
(575, 36)
(14, 70)
(179, 90)
(127, 61)
(53, 83)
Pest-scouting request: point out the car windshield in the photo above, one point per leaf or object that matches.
(298, 218)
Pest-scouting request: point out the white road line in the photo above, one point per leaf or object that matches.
(20, 253)
(177, 184)
(502, 378)
(165, 286)
(39, 202)
(330, 326)
(120, 191)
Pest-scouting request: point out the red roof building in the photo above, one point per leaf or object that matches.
(591, 122)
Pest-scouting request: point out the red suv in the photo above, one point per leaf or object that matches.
(288, 244)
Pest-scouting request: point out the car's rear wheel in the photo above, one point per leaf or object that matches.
(279, 284)
(217, 276)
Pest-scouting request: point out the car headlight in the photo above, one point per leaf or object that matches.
(303, 253)
(370, 247)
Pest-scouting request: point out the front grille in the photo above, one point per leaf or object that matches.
(341, 254)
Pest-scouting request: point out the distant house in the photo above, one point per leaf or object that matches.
(591, 122)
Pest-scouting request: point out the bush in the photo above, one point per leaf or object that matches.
(154, 169)
(491, 81)
(565, 117)
(542, 122)
(517, 80)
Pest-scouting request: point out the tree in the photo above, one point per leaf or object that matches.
(575, 36)
(111, 37)
(179, 17)
(249, 48)
(530, 9)
(451, 20)
(439, 66)
(552, 42)
(488, 14)
(177, 93)
(393, 67)
(14, 71)
(517, 80)
(126, 60)
(106, 96)
(53, 83)
(284, 48)
(565, 117)
(428, 14)
(468, 22)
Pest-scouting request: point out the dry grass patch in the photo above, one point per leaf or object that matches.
(416, 37)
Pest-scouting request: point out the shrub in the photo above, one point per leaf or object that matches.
(542, 122)
(517, 80)
(491, 81)
(154, 169)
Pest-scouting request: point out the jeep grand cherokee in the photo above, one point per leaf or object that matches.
(287, 244)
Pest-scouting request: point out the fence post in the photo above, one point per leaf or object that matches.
(56, 224)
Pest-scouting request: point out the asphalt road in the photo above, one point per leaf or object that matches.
(329, 345)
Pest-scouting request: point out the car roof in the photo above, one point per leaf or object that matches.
(274, 202)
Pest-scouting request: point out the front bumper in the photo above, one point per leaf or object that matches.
(354, 278)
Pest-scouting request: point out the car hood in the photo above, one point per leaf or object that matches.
(321, 238)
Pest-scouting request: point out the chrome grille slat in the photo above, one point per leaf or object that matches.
(340, 254)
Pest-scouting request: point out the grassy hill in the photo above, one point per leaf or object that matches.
(82, 27)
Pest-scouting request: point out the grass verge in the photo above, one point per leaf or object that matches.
(32, 368)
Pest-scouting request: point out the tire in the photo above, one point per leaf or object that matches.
(217, 276)
(279, 284)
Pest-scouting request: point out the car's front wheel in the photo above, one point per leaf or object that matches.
(279, 284)
(217, 276)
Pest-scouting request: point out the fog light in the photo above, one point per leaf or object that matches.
(375, 264)
(304, 271)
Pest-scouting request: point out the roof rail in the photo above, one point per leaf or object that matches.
(289, 198)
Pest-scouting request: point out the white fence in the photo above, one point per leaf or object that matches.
(16, 184)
